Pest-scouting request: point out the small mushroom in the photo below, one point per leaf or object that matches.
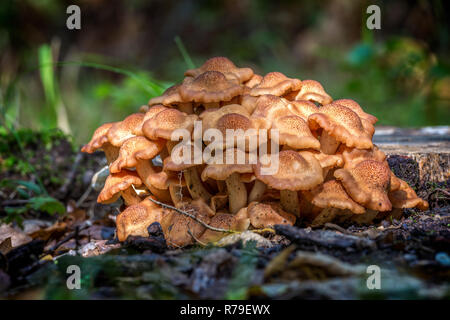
(294, 132)
(210, 87)
(367, 183)
(333, 200)
(100, 140)
(149, 114)
(123, 130)
(406, 197)
(253, 81)
(339, 124)
(313, 91)
(225, 66)
(135, 219)
(230, 172)
(277, 84)
(303, 108)
(171, 97)
(264, 215)
(232, 222)
(181, 230)
(267, 109)
(120, 184)
(164, 123)
(296, 171)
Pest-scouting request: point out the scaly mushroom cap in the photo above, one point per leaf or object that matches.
(296, 171)
(223, 65)
(331, 194)
(177, 226)
(99, 138)
(210, 117)
(355, 107)
(267, 109)
(224, 221)
(135, 149)
(223, 171)
(277, 84)
(353, 156)
(253, 81)
(135, 220)
(328, 160)
(263, 215)
(313, 91)
(211, 86)
(149, 114)
(170, 165)
(406, 197)
(342, 124)
(367, 183)
(123, 130)
(294, 132)
(116, 183)
(165, 122)
(303, 108)
(170, 96)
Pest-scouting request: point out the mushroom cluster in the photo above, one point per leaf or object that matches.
(328, 168)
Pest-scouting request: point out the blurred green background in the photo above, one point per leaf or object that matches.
(126, 52)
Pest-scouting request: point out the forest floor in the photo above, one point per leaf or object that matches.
(333, 262)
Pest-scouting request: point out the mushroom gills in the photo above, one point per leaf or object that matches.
(257, 191)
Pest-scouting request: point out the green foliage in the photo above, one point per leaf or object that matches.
(33, 197)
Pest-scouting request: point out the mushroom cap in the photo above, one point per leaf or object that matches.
(313, 91)
(342, 124)
(136, 149)
(253, 81)
(355, 107)
(99, 138)
(367, 183)
(170, 165)
(296, 171)
(328, 160)
(149, 114)
(210, 86)
(176, 226)
(406, 197)
(135, 219)
(210, 117)
(117, 182)
(169, 96)
(123, 130)
(263, 215)
(167, 121)
(294, 132)
(331, 194)
(224, 221)
(275, 83)
(223, 65)
(303, 108)
(223, 171)
(354, 156)
(267, 109)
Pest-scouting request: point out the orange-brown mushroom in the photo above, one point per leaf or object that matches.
(277, 84)
(100, 140)
(406, 197)
(313, 91)
(267, 108)
(210, 87)
(123, 130)
(339, 124)
(120, 184)
(264, 215)
(303, 108)
(296, 171)
(232, 222)
(164, 123)
(223, 65)
(171, 97)
(367, 183)
(135, 219)
(294, 132)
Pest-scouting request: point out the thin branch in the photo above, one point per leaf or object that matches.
(191, 216)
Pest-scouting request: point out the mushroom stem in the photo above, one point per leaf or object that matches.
(221, 186)
(237, 193)
(289, 201)
(176, 194)
(328, 144)
(257, 191)
(144, 170)
(326, 215)
(186, 107)
(195, 186)
(130, 197)
(111, 152)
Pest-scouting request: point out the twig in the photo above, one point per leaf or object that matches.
(84, 196)
(69, 178)
(333, 226)
(191, 216)
(195, 238)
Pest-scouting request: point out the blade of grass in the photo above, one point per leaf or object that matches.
(187, 58)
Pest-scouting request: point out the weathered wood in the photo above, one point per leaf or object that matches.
(428, 147)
